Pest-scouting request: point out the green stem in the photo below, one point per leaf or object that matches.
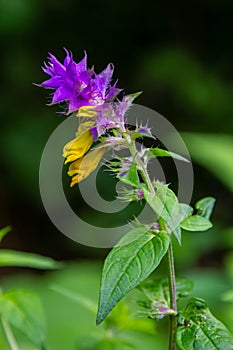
(9, 335)
(172, 289)
(142, 167)
(171, 265)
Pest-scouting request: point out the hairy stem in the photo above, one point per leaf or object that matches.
(9, 335)
(171, 266)
(142, 167)
(172, 289)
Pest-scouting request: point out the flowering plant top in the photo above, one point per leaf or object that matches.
(94, 100)
(102, 127)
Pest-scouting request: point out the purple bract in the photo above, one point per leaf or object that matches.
(111, 116)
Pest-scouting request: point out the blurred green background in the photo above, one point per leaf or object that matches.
(180, 55)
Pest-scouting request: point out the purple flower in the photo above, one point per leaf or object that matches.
(77, 85)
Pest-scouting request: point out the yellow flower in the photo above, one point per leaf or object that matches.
(83, 167)
(77, 147)
(86, 112)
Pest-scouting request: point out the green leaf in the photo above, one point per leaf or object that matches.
(158, 152)
(196, 223)
(4, 231)
(166, 206)
(128, 264)
(16, 258)
(155, 289)
(177, 233)
(157, 295)
(185, 210)
(22, 309)
(198, 329)
(205, 207)
(131, 97)
(164, 203)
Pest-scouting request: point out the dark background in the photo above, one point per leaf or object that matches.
(179, 54)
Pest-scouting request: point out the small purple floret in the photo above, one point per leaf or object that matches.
(154, 227)
(140, 194)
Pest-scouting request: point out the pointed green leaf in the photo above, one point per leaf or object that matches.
(177, 233)
(128, 265)
(196, 223)
(4, 231)
(132, 97)
(164, 203)
(158, 152)
(22, 309)
(166, 206)
(16, 258)
(198, 329)
(205, 207)
(153, 289)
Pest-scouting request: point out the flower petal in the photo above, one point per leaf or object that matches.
(86, 112)
(52, 83)
(77, 147)
(61, 94)
(82, 168)
(54, 67)
(82, 65)
(113, 91)
(102, 80)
